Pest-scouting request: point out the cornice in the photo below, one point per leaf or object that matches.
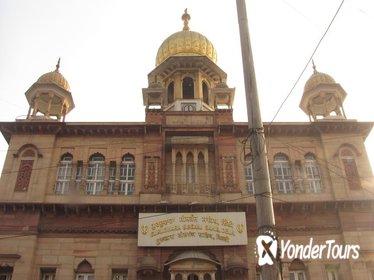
(129, 129)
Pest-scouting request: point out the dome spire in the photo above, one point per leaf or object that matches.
(186, 18)
(314, 67)
(58, 64)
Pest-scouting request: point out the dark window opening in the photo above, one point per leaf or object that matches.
(188, 88)
(171, 93)
(205, 93)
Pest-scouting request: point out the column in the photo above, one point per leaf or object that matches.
(118, 178)
(196, 171)
(49, 104)
(36, 101)
(172, 276)
(178, 86)
(29, 112)
(106, 177)
(173, 162)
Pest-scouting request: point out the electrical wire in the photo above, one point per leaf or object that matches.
(308, 62)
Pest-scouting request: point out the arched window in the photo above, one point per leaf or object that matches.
(190, 169)
(28, 156)
(64, 174)
(297, 270)
(201, 179)
(188, 88)
(178, 276)
(282, 173)
(171, 93)
(313, 174)
(95, 174)
(351, 172)
(84, 271)
(332, 271)
(127, 175)
(6, 272)
(193, 277)
(179, 169)
(207, 276)
(205, 93)
(248, 170)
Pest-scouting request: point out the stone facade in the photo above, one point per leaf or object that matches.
(71, 193)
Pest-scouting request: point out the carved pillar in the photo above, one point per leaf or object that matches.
(29, 111)
(36, 101)
(72, 177)
(117, 182)
(106, 177)
(49, 104)
(83, 182)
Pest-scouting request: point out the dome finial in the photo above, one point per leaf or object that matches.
(186, 18)
(314, 67)
(58, 64)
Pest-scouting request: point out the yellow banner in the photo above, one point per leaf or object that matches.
(192, 229)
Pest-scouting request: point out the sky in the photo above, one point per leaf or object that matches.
(107, 48)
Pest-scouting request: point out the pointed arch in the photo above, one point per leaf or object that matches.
(190, 168)
(84, 267)
(64, 171)
(95, 174)
(179, 168)
(348, 146)
(282, 173)
(348, 155)
(97, 157)
(127, 174)
(313, 173)
(27, 150)
(297, 270)
(201, 172)
(171, 93)
(66, 156)
(205, 89)
(188, 87)
(28, 154)
(84, 271)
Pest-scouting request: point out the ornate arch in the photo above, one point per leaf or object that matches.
(27, 147)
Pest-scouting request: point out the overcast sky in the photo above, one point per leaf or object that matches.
(107, 48)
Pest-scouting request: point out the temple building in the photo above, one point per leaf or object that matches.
(173, 197)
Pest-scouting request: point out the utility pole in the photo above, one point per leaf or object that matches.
(263, 194)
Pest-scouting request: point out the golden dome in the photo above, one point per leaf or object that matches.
(317, 79)
(186, 43)
(54, 77)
